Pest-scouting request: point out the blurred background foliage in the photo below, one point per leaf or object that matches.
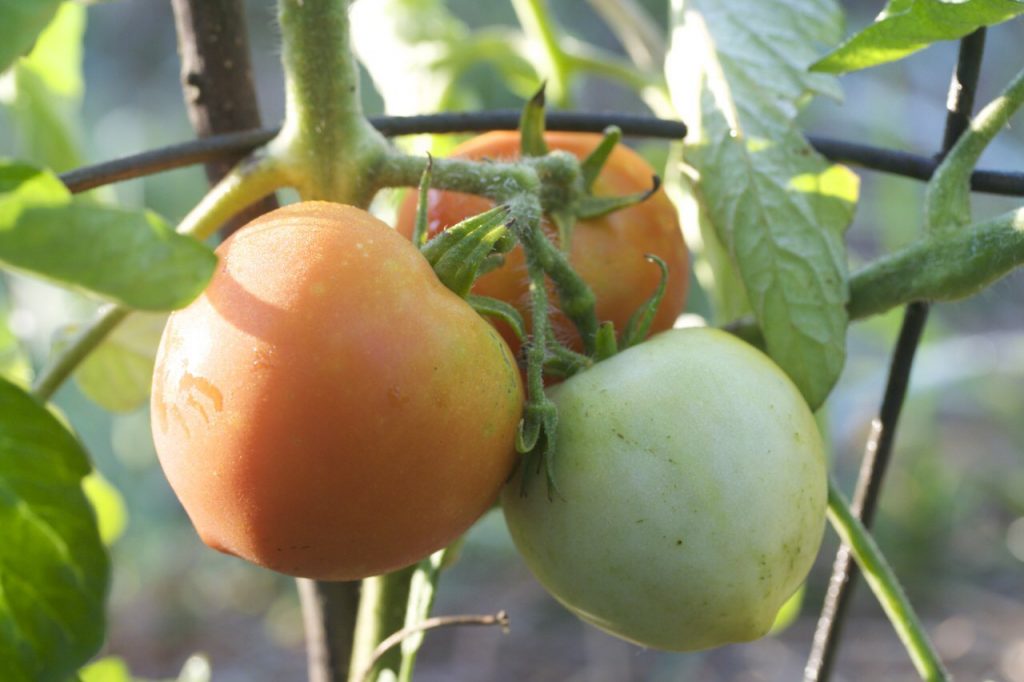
(952, 518)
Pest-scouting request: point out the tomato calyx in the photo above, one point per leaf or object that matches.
(458, 254)
(535, 439)
(639, 324)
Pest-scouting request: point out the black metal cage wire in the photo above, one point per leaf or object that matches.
(879, 446)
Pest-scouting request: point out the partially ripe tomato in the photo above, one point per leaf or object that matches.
(327, 408)
(692, 492)
(607, 252)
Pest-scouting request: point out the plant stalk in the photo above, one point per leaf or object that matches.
(326, 142)
(885, 586)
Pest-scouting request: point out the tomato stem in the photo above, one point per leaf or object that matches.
(886, 586)
(326, 141)
(947, 197)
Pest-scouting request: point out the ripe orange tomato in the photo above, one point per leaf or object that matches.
(327, 408)
(607, 252)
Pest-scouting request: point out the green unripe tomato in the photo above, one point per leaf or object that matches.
(691, 497)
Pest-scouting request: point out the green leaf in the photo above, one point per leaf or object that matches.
(54, 571)
(907, 26)
(420, 56)
(778, 208)
(789, 611)
(107, 669)
(406, 46)
(14, 362)
(47, 90)
(118, 373)
(108, 504)
(129, 257)
(20, 22)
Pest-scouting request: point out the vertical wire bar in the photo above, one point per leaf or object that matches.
(217, 82)
(878, 449)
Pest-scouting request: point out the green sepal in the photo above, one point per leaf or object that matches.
(535, 439)
(565, 221)
(605, 344)
(595, 207)
(492, 262)
(591, 166)
(562, 362)
(639, 324)
(419, 230)
(500, 310)
(531, 127)
(458, 253)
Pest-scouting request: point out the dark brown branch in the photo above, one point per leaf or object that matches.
(878, 451)
(216, 80)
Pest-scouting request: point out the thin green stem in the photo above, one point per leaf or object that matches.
(639, 34)
(422, 591)
(51, 378)
(539, 25)
(886, 587)
(382, 609)
(947, 198)
(247, 183)
(587, 58)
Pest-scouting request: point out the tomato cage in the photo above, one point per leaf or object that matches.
(228, 134)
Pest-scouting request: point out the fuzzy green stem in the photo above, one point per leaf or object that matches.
(941, 267)
(947, 199)
(886, 587)
(509, 182)
(325, 141)
(247, 183)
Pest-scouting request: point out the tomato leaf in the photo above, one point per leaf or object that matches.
(20, 22)
(118, 373)
(421, 57)
(129, 257)
(54, 571)
(778, 208)
(47, 91)
(907, 26)
(109, 506)
(14, 362)
(106, 669)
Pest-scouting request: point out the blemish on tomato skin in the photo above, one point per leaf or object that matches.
(190, 382)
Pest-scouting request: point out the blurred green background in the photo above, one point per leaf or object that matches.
(952, 519)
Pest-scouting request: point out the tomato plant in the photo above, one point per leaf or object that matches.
(607, 252)
(327, 408)
(691, 493)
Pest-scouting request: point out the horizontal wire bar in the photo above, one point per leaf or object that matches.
(913, 165)
(217, 146)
